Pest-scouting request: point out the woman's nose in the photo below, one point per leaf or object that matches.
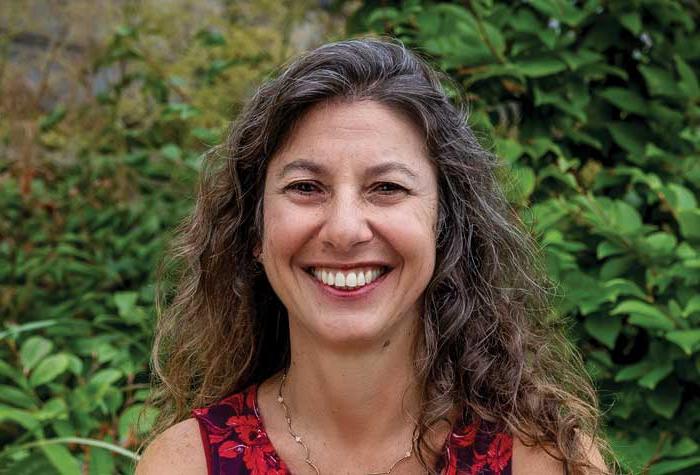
(345, 222)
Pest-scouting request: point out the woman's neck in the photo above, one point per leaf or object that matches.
(361, 396)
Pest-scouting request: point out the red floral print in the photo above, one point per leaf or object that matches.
(464, 436)
(500, 452)
(236, 443)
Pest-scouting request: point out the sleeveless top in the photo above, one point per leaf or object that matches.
(235, 442)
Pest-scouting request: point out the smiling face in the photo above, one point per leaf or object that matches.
(350, 211)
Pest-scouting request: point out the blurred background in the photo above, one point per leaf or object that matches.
(106, 108)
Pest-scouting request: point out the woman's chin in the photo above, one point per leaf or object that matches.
(355, 332)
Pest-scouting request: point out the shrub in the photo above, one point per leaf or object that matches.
(595, 106)
(89, 192)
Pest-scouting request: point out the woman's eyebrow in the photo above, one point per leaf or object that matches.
(318, 169)
(387, 167)
(304, 165)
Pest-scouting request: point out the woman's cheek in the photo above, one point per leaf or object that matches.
(288, 225)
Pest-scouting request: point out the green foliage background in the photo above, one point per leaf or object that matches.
(594, 105)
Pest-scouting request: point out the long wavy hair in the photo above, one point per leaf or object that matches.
(491, 345)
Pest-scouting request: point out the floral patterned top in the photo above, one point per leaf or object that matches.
(235, 443)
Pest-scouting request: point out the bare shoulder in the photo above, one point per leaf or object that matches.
(535, 460)
(177, 451)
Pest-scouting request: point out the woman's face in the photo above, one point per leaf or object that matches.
(351, 199)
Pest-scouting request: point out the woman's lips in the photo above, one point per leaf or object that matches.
(358, 292)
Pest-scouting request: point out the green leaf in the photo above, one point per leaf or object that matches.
(692, 306)
(580, 58)
(633, 372)
(136, 421)
(679, 197)
(16, 397)
(540, 67)
(171, 152)
(53, 409)
(553, 171)
(125, 302)
(673, 466)
(53, 119)
(632, 21)
(634, 453)
(607, 249)
(644, 315)
(630, 137)
(603, 328)
(14, 330)
(209, 136)
(32, 464)
(523, 183)
(61, 459)
(660, 243)
(688, 340)
(10, 372)
(546, 214)
(616, 267)
(180, 111)
(656, 375)
(210, 37)
(560, 10)
(81, 441)
(648, 321)
(508, 149)
(626, 218)
(33, 350)
(48, 370)
(660, 82)
(525, 21)
(616, 287)
(666, 399)
(379, 15)
(689, 222)
(101, 462)
(625, 99)
(18, 416)
(102, 381)
(683, 448)
(689, 81)
(566, 104)
(538, 147)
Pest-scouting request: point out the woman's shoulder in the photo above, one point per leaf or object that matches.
(181, 449)
(531, 459)
(177, 450)
(238, 406)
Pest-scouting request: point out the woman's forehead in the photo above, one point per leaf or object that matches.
(361, 134)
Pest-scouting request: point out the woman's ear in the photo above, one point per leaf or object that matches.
(257, 253)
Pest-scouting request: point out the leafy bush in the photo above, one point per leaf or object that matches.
(596, 108)
(594, 105)
(88, 198)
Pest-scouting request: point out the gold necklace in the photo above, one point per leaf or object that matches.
(297, 438)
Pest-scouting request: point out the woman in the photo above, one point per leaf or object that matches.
(358, 297)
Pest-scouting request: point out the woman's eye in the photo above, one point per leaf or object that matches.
(387, 188)
(302, 187)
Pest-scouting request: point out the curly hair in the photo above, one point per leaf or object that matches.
(491, 344)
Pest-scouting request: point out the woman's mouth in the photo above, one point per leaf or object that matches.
(348, 280)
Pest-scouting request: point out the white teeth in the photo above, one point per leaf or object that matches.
(350, 280)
